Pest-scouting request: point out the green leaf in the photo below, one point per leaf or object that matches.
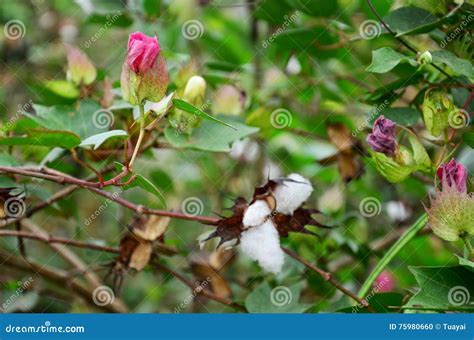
(458, 65)
(97, 140)
(185, 106)
(209, 136)
(380, 303)
(316, 8)
(86, 119)
(388, 168)
(146, 185)
(411, 20)
(420, 155)
(468, 138)
(118, 19)
(280, 299)
(386, 58)
(7, 160)
(405, 116)
(443, 288)
(62, 139)
(63, 88)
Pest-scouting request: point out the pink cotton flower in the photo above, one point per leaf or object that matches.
(144, 74)
(385, 282)
(453, 174)
(142, 52)
(382, 138)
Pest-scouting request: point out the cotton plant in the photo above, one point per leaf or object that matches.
(275, 210)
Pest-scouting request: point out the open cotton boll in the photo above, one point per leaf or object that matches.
(256, 214)
(262, 244)
(292, 193)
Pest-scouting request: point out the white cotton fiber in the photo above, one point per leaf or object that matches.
(291, 194)
(256, 214)
(262, 244)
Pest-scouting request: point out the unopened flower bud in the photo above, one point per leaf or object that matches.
(144, 75)
(228, 100)
(80, 69)
(195, 91)
(453, 174)
(382, 138)
(425, 58)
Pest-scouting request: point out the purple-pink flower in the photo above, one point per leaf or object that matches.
(142, 52)
(382, 138)
(453, 174)
(385, 282)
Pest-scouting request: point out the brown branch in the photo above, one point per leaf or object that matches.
(204, 292)
(61, 178)
(162, 248)
(327, 277)
(62, 279)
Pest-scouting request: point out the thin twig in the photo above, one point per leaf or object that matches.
(204, 292)
(327, 277)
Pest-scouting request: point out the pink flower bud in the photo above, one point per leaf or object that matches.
(80, 69)
(385, 282)
(144, 74)
(382, 138)
(142, 52)
(453, 174)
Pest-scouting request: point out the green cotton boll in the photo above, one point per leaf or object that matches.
(451, 214)
(436, 109)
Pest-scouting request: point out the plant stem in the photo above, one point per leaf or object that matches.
(392, 252)
(140, 136)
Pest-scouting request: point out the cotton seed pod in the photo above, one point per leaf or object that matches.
(80, 69)
(437, 107)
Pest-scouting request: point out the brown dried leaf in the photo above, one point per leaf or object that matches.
(141, 255)
(152, 228)
(340, 136)
(204, 271)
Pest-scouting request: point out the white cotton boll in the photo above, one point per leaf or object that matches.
(290, 195)
(262, 244)
(256, 214)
